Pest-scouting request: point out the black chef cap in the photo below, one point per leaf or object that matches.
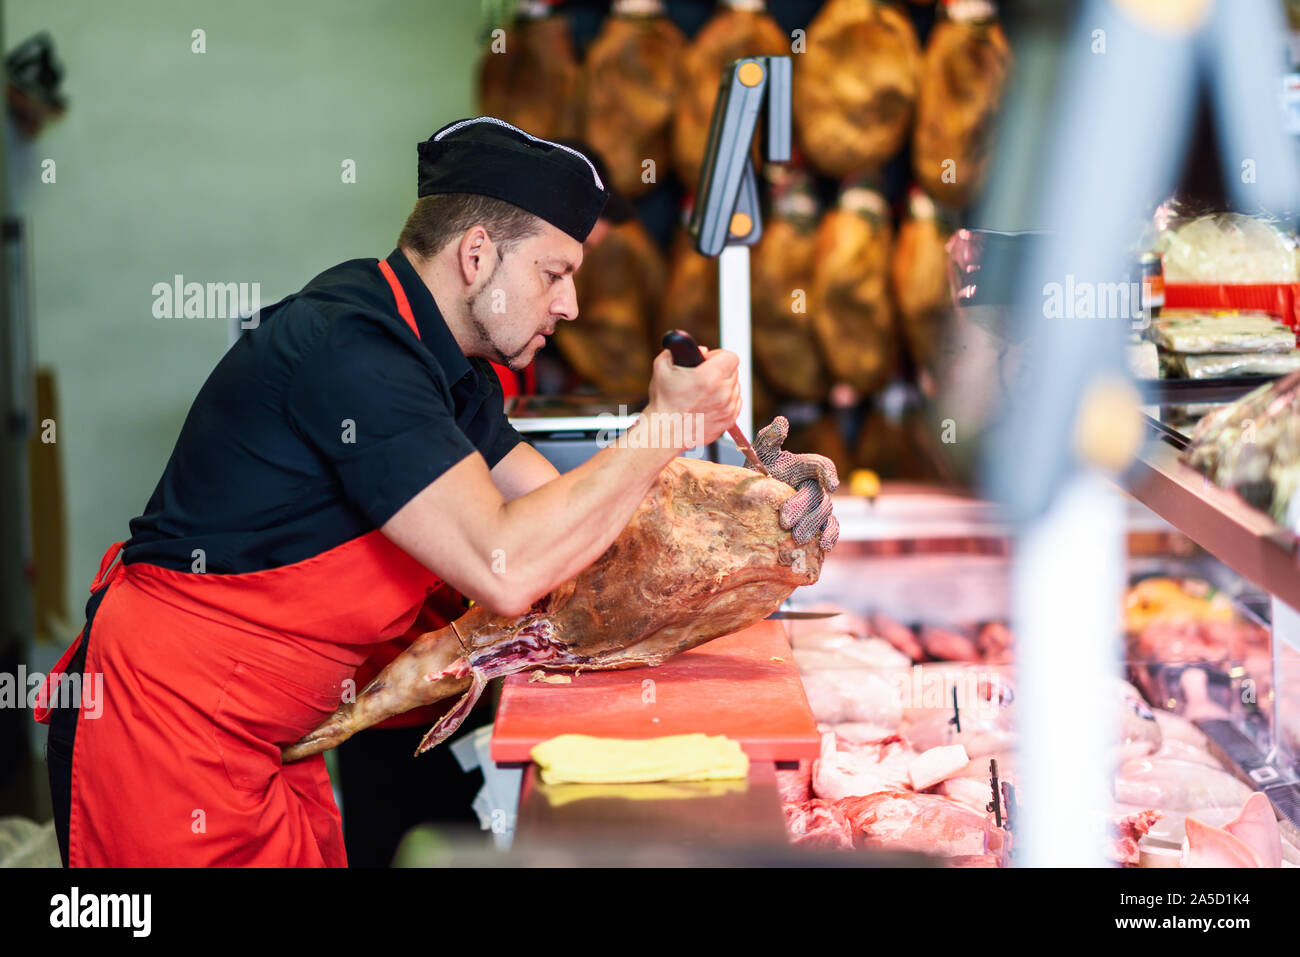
(489, 157)
(617, 209)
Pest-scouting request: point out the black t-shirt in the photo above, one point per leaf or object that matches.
(318, 425)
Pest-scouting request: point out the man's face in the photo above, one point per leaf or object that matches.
(525, 296)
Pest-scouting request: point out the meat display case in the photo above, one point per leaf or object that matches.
(1262, 752)
(924, 557)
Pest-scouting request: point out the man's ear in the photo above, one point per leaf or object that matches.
(473, 254)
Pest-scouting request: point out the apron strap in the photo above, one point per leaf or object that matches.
(399, 294)
(44, 699)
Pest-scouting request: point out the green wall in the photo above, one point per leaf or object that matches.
(223, 166)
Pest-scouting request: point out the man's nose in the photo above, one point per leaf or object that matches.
(565, 305)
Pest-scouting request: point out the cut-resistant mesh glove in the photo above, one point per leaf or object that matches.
(808, 511)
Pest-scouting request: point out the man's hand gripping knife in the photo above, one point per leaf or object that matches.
(808, 511)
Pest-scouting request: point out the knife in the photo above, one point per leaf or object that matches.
(686, 352)
(801, 615)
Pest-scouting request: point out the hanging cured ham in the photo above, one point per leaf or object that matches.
(691, 299)
(963, 74)
(629, 87)
(529, 76)
(855, 86)
(740, 28)
(919, 277)
(852, 317)
(781, 274)
(620, 286)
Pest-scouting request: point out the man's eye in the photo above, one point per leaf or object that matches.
(554, 277)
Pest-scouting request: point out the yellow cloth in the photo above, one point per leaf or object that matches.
(559, 795)
(581, 759)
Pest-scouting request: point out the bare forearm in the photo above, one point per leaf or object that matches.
(554, 532)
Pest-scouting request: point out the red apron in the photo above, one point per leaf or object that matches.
(205, 678)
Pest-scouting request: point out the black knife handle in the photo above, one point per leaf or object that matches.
(685, 350)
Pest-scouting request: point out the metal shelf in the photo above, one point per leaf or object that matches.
(1243, 538)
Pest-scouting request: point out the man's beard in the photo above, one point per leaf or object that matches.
(480, 324)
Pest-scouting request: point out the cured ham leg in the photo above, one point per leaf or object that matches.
(529, 75)
(630, 81)
(703, 556)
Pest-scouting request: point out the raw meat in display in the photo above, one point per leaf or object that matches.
(1139, 732)
(704, 555)
(737, 30)
(931, 767)
(996, 644)
(963, 73)
(1176, 785)
(865, 769)
(533, 82)
(1176, 728)
(858, 695)
(855, 86)
(928, 823)
(1128, 830)
(1251, 839)
(785, 349)
(971, 792)
(1194, 641)
(1182, 751)
(794, 785)
(979, 738)
(853, 734)
(849, 652)
(900, 636)
(819, 824)
(947, 645)
(619, 288)
(629, 84)
(852, 316)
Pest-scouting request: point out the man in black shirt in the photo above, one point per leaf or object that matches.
(346, 457)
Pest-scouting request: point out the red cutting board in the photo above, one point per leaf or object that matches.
(731, 685)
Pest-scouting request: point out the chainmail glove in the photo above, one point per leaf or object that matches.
(808, 511)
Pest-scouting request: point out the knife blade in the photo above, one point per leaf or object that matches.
(801, 615)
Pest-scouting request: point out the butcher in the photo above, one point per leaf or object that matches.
(346, 457)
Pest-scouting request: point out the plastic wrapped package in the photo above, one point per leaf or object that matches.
(1228, 248)
(1214, 365)
(1198, 333)
(1252, 447)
